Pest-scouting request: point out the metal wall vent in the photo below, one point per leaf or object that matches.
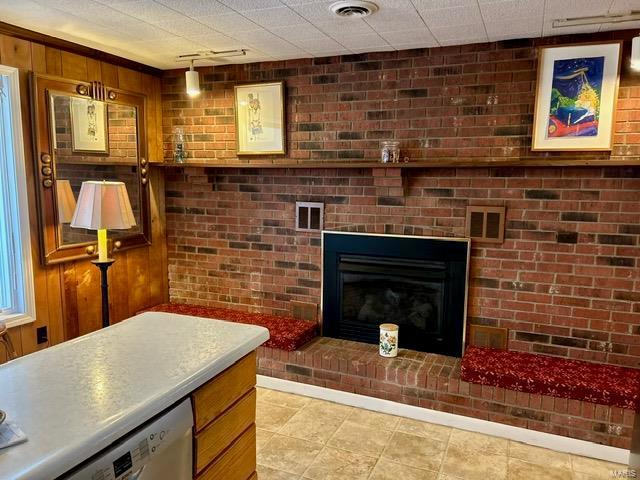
(490, 337)
(309, 216)
(354, 9)
(485, 224)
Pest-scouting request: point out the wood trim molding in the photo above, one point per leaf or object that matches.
(54, 42)
(439, 163)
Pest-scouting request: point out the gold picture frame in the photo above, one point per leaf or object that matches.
(89, 126)
(260, 119)
(576, 96)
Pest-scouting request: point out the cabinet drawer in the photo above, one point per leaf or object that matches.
(214, 397)
(220, 433)
(236, 463)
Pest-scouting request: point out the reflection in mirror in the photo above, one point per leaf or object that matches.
(75, 174)
(93, 140)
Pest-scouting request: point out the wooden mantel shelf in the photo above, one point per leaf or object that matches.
(435, 163)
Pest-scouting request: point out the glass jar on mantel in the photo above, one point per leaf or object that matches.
(390, 152)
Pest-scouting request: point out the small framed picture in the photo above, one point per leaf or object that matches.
(576, 97)
(260, 126)
(89, 126)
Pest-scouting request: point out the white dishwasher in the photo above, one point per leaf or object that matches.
(161, 450)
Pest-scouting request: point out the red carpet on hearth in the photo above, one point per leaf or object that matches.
(558, 377)
(287, 333)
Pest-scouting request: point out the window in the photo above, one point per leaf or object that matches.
(17, 304)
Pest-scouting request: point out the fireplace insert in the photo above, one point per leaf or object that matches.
(418, 283)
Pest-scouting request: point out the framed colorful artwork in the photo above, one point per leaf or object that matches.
(576, 97)
(89, 126)
(260, 119)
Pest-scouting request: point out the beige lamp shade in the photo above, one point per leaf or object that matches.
(103, 205)
(66, 201)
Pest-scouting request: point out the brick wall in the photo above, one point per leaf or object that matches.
(472, 102)
(565, 281)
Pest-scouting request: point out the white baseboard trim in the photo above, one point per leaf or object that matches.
(531, 437)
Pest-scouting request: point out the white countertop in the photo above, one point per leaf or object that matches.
(74, 399)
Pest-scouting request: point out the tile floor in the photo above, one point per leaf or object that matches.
(303, 438)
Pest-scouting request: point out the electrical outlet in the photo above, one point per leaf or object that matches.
(42, 335)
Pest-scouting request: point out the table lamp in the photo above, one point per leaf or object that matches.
(101, 206)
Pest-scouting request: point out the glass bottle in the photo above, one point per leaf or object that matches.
(179, 152)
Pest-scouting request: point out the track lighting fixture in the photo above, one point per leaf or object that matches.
(193, 81)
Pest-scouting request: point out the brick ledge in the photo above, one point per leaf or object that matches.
(433, 381)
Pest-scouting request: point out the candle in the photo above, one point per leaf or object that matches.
(102, 245)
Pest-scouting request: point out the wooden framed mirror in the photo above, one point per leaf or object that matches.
(86, 131)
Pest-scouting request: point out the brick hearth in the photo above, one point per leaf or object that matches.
(433, 381)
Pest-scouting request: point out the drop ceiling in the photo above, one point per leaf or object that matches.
(154, 32)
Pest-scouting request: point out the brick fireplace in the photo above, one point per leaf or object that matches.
(564, 282)
(419, 283)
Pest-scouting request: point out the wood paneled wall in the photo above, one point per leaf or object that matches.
(68, 295)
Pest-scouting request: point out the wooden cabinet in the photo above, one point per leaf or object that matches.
(224, 438)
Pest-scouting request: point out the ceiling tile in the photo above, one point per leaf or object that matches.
(146, 10)
(317, 11)
(473, 31)
(387, 48)
(555, 9)
(296, 32)
(230, 23)
(275, 17)
(619, 6)
(346, 33)
(320, 45)
(144, 31)
(246, 5)
(197, 8)
(493, 11)
(215, 41)
(436, 4)
(467, 41)
(388, 20)
(303, 2)
(514, 28)
(409, 36)
(372, 40)
(412, 45)
(185, 26)
(449, 17)
(354, 26)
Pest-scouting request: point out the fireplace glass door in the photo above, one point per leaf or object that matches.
(376, 291)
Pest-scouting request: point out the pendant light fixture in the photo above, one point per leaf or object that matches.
(193, 81)
(192, 76)
(635, 53)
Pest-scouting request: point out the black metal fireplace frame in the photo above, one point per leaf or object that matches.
(451, 255)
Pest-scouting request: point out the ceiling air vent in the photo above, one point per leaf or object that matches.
(354, 9)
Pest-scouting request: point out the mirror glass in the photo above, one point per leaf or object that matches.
(93, 140)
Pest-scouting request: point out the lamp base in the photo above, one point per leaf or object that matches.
(104, 285)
